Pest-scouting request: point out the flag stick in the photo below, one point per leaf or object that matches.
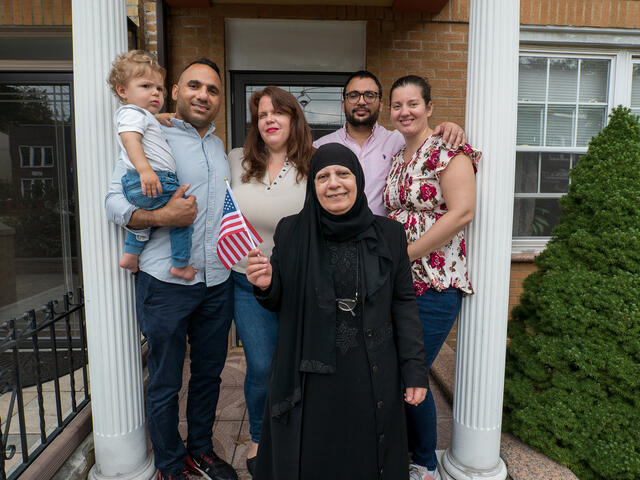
(244, 225)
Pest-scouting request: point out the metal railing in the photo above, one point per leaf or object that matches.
(38, 349)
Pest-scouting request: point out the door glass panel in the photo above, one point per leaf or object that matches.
(321, 106)
(38, 221)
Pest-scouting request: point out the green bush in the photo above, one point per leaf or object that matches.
(572, 387)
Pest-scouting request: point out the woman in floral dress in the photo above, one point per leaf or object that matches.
(431, 191)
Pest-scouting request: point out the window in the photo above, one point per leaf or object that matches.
(36, 156)
(635, 87)
(38, 214)
(563, 101)
(36, 187)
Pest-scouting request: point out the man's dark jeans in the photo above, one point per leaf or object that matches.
(169, 313)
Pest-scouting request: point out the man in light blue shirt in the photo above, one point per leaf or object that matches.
(171, 309)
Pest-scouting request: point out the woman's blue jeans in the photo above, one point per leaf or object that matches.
(258, 329)
(438, 312)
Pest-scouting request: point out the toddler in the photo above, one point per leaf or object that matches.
(137, 80)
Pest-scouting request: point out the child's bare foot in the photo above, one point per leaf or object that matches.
(186, 273)
(129, 261)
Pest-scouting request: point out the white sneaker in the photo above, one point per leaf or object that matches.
(418, 472)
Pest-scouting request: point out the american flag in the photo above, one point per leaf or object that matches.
(237, 237)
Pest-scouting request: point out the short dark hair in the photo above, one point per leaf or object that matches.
(415, 80)
(362, 74)
(207, 62)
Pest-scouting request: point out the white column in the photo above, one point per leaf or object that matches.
(491, 105)
(99, 34)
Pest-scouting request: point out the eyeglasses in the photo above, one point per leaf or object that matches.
(354, 96)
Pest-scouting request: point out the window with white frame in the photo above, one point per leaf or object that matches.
(635, 87)
(36, 156)
(35, 186)
(563, 101)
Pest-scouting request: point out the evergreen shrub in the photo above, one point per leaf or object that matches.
(572, 387)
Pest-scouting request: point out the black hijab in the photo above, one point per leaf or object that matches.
(359, 217)
(307, 330)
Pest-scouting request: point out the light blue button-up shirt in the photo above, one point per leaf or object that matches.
(200, 162)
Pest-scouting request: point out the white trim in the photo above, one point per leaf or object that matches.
(543, 149)
(529, 244)
(538, 194)
(622, 86)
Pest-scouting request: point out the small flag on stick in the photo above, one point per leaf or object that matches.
(237, 237)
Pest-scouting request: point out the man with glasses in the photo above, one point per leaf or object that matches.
(373, 144)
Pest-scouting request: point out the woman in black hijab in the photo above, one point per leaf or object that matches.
(349, 334)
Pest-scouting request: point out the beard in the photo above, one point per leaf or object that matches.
(196, 119)
(369, 121)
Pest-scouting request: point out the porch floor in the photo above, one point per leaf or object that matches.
(231, 428)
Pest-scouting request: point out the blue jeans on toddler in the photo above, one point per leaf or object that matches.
(180, 236)
(438, 312)
(258, 329)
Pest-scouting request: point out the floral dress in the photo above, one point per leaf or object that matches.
(414, 198)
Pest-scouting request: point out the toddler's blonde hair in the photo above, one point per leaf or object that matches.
(135, 63)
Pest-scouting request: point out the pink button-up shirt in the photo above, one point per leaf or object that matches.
(375, 157)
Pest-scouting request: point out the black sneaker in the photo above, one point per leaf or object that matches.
(174, 476)
(210, 466)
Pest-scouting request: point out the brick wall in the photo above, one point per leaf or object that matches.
(521, 266)
(584, 13)
(397, 44)
(143, 14)
(134, 11)
(35, 12)
(151, 27)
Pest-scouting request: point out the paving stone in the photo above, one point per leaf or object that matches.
(242, 447)
(234, 370)
(225, 434)
(231, 404)
(524, 463)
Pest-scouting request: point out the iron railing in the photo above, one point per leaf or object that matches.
(38, 349)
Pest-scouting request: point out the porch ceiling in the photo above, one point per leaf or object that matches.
(427, 6)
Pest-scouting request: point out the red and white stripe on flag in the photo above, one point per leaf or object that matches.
(233, 240)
